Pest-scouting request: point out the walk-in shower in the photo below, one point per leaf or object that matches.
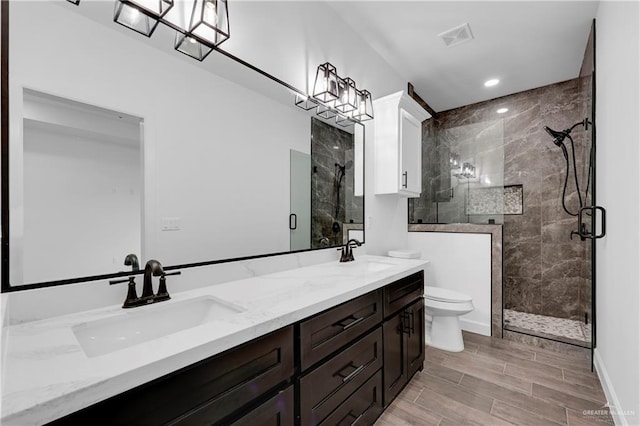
(533, 188)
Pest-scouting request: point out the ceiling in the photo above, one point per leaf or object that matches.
(524, 44)
(383, 44)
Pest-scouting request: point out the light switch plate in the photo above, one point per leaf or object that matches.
(170, 224)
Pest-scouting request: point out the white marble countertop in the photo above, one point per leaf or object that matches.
(46, 373)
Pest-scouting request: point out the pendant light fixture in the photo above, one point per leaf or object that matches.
(347, 99)
(200, 25)
(364, 110)
(154, 8)
(325, 88)
(210, 21)
(338, 97)
(191, 47)
(133, 17)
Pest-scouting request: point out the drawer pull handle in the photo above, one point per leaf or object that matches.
(357, 419)
(350, 414)
(352, 374)
(351, 324)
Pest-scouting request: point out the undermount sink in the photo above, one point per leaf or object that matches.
(367, 265)
(140, 325)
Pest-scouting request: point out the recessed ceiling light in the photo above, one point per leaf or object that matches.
(502, 110)
(491, 83)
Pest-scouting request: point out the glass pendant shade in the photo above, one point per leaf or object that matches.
(325, 87)
(157, 8)
(326, 112)
(305, 102)
(210, 21)
(191, 47)
(468, 171)
(364, 108)
(346, 95)
(133, 18)
(454, 161)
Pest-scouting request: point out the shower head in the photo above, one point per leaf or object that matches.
(558, 137)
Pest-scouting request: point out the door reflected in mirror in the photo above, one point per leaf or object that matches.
(82, 190)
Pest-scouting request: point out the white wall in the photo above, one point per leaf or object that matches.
(460, 262)
(79, 191)
(618, 190)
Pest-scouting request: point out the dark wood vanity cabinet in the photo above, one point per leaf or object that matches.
(205, 393)
(339, 367)
(277, 411)
(404, 334)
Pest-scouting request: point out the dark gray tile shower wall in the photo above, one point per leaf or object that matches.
(544, 271)
(331, 146)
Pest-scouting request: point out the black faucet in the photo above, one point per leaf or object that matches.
(347, 250)
(153, 268)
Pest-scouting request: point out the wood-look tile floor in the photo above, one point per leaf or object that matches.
(499, 382)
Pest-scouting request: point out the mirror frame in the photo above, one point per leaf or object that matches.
(6, 286)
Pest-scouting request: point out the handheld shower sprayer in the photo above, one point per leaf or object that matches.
(558, 137)
(558, 140)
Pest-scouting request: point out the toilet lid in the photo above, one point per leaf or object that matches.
(445, 295)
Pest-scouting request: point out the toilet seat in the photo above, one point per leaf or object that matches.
(445, 295)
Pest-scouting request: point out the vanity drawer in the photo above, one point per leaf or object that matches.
(330, 330)
(323, 389)
(277, 411)
(203, 393)
(402, 292)
(363, 407)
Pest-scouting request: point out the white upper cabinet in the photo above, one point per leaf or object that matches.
(398, 145)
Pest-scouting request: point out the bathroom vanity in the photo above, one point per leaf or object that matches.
(324, 344)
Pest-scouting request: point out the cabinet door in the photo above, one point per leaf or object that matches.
(410, 154)
(395, 357)
(415, 337)
(278, 411)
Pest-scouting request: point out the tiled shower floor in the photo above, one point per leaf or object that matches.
(565, 330)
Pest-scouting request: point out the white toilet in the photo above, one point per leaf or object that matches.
(444, 307)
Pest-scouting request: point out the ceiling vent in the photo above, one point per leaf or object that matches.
(458, 35)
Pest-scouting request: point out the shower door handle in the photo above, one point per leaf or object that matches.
(293, 221)
(582, 229)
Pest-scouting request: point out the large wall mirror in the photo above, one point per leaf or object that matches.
(119, 144)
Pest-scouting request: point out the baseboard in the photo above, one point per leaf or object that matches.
(610, 393)
(475, 327)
